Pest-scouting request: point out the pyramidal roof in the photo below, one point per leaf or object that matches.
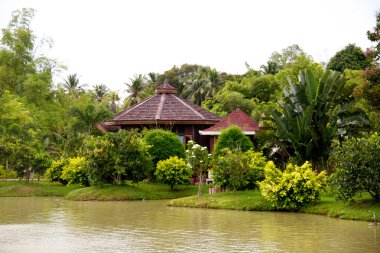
(164, 107)
(238, 118)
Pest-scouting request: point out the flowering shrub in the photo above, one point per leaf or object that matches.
(198, 160)
(172, 171)
(293, 188)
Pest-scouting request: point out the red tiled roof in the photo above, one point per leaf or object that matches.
(238, 118)
(164, 107)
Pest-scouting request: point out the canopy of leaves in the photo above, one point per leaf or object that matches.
(314, 112)
(351, 57)
(232, 138)
(358, 167)
(173, 171)
(163, 145)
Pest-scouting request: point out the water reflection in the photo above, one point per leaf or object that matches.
(56, 225)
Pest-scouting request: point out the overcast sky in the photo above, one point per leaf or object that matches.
(110, 41)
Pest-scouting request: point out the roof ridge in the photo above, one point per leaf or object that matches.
(188, 106)
(134, 107)
(160, 106)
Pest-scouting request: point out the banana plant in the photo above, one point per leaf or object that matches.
(314, 112)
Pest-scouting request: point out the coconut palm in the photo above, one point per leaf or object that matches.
(100, 91)
(313, 113)
(114, 97)
(72, 86)
(135, 89)
(85, 118)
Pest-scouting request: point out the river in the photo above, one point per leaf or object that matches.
(37, 224)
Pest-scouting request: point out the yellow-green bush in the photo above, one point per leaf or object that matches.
(293, 188)
(172, 171)
(7, 174)
(75, 171)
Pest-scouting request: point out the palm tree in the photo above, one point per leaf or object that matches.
(313, 113)
(71, 85)
(195, 84)
(100, 91)
(114, 98)
(214, 82)
(135, 89)
(86, 118)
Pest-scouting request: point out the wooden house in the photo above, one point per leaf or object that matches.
(238, 118)
(167, 111)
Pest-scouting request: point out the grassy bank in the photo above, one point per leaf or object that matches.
(147, 191)
(363, 209)
(107, 192)
(35, 188)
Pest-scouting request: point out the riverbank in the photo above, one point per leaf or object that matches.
(363, 209)
(147, 191)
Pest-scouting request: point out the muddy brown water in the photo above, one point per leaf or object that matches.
(55, 225)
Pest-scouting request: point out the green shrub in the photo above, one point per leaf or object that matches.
(173, 171)
(238, 170)
(7, 174)
(358, 167)
(293, 188)
(75, 171)
(54, 172)
(232, 138)
(119, 156)
(164, 144)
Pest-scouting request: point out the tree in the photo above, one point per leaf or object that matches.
(351, 57)
(313, 113)
(85, 118)
(135, 89)
(287, 56)
(198, 159)
(374, 37)
(271, 68)
(72, 86)
(100, 91)
(114, 157)
(172, 171)
(357, 163)
(232, 138)
(164, 144)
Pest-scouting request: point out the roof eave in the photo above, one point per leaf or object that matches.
(218, 132)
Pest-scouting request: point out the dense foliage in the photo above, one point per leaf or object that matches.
(164, 144)
(238, 170)
(54, 172)
(351, 57)
(295, 187)
(119, 156)
(75, 171)
(232, 138)
(358, 167)
(314, 112)
(173, 171)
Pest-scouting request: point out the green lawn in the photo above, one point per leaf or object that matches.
(148, 191)
(107, 192)
(362, 209)
(34, 188)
